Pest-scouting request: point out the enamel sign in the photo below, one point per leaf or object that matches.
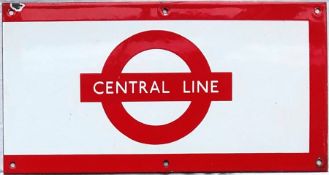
(164, 87)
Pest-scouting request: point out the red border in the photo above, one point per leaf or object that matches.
(192, 162)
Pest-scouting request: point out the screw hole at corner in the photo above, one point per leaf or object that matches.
(11, 12)
(165, 11)
(165, 163)
(12, 165)
(319, 162)
(17, 7)
(317, 11)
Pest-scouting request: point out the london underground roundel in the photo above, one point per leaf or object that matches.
(111, 87)
(170, 87)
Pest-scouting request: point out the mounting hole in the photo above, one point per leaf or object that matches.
(17, 7)
(319, 162)
(165, 163)
(165, 11)
(317, 11)
(12, 165)
(11, 12)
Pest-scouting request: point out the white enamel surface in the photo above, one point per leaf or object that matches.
(269, 112)
(156, 60)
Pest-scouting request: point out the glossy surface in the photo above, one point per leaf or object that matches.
(192, 162)
(176, 11)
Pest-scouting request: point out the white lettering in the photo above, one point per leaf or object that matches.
(109, 87)
(119, 86)
(132, 86)
(184, 88)
(201, 86)
(214, 84)
(164, 91)
(142, 86)
(95, 90)
(154, 87)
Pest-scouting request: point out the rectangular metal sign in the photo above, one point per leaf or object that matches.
(165, 87)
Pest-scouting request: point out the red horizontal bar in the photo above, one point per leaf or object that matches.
(170, 87)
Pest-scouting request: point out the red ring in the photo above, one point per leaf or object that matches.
(126, 50)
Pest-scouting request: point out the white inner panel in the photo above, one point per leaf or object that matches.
(156, 60)
(43, 61)
(156, 113)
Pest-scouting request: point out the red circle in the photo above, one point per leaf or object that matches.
(126, 50)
